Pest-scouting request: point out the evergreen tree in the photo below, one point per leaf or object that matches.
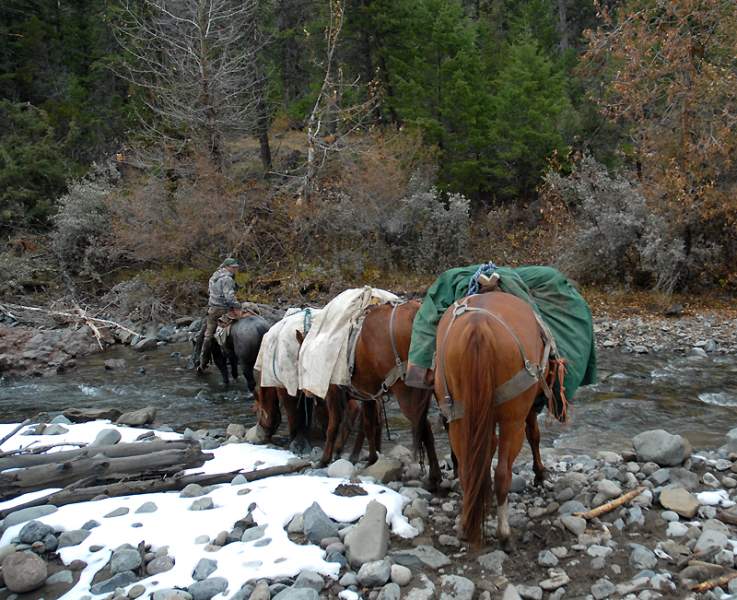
(528, 105)
(33, 167)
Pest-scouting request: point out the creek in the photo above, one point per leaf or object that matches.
(690, 395)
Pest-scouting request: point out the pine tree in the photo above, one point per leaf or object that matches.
(528, 105)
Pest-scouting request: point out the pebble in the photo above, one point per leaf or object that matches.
(400, 575)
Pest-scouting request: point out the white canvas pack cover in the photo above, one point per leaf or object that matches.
(278, 357)
(323, 357)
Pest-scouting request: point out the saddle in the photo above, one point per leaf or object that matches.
(224, 323)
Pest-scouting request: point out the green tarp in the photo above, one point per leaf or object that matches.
(550, 294)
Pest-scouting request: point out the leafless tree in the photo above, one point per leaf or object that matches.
(196, 61)
(330, 123)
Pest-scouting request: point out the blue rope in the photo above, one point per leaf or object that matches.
(485, 269)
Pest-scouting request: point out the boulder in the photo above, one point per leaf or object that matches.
(661, 447)
(368, 540)
(24, 571)
(142, 416)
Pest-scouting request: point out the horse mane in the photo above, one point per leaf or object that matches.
(471, 347)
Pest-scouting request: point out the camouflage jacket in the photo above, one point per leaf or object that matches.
(222, 289)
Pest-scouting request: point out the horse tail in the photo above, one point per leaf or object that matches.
(474, 388)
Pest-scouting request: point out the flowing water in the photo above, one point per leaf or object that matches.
(696, 397)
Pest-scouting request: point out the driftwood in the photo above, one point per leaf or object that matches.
(710, 584)
(79, 314)
(40, 477)
(611, 505)
(75, 493)
(32, 457)
(6, 437)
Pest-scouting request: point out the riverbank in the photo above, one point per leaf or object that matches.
(37, 345)
(376, 533)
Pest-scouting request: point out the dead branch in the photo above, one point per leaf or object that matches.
(80, 316)
(16, 430)
(611, 505)
(73, 493)
(710, 584)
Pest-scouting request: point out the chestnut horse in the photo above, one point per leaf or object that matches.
(492, 362)
(379, 367)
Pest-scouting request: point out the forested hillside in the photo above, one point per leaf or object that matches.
(326, 141)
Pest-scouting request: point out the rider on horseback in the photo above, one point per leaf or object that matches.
(222, 288)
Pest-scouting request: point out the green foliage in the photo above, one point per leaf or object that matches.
(528, 105)
(33, 167)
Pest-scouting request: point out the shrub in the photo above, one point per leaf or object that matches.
(617, 238)
(82, 223)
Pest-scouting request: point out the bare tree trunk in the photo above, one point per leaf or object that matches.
(563, 25)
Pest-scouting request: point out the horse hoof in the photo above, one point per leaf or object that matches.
(539, 480)
(507, 544)
(300, 447)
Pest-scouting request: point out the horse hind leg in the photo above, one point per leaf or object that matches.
(532, 431)
(511, 436)
(372, 428)
(333, 401)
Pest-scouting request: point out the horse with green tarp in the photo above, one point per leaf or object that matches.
(546, 290)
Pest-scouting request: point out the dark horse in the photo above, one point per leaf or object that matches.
(241, 349)
(491, 365)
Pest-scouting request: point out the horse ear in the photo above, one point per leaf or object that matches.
(300, 336)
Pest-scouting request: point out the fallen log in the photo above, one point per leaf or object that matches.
(30, 459)
(21, 481)
(611, 505)
(75, 494)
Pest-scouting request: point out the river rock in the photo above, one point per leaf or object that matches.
(23, 572)
(257, 435)
(455, 587)
(603, 588)
(160, 564)
(546, 558)
(374, 573)
(65, 577)
(642, 557)
(296, 594)
(711, 538)
(420, 556)
(401, 575)
(204, 590)
(530, 592)
(112, 364)
(309, 579)
(147, 343)
(171, 594)
(661, 447)
(390, 591)
(82, 415)
(368, 540)
(73, 537)
(146, 507)
(384, 470)
(235, 430)
(679, 501)
(253, 534)
(576, 525)
(317, 525)
(106, 437)
(204, 568)
(28, 514)
(118, 512)
(493, 561)
(341, 468)
(192, 490)
(125, 559)
(142, 416)
(608, 489)
(676, 529)
(424, 590)
(116, 581)
(556, 578)
(204, 503)
(55, 430)
(34, 531)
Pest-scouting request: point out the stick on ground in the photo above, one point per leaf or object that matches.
(611, 505)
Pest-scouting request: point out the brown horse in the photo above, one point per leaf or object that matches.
(491, 365)
(297, 408)
(380, 361)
